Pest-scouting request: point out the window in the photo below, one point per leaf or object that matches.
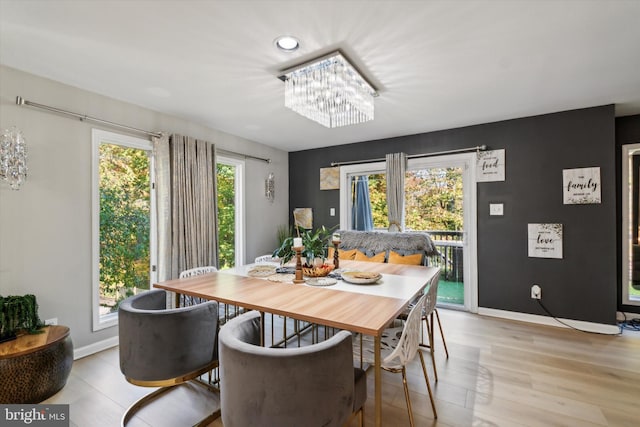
(375, 172)
(123, 222)
(230, 188)
(630, 238)
(440, 195)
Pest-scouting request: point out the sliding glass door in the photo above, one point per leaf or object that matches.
(440, 200)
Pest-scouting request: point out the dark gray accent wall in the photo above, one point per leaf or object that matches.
(582, 285)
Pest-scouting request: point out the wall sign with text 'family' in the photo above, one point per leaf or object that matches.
(490, 166)
(545, 241)
(581, 186)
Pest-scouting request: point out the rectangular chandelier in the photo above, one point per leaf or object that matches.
(330, 91)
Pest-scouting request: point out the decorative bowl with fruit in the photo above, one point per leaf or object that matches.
(318, 270)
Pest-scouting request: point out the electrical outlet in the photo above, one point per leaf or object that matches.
(53, 321)
(536, 292)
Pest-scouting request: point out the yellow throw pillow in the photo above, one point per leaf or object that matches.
(343, 254)
(396, 258)
(361, 256)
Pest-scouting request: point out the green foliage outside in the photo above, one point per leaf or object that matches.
(378, 199)
(433, 199)
(124, 222)
(226, 215)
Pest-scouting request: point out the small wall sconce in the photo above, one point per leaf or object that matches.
(269, 187)
(13, 157)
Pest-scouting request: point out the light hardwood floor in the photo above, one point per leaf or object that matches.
(500, 373)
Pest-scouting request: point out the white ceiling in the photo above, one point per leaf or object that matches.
(437, 64)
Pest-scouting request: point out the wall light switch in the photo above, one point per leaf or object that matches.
(496, 209)
(332, 211)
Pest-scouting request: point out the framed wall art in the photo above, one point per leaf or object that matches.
(303, 218)
(490, 166)
(545, 240)
(581, 186)
(330, 178)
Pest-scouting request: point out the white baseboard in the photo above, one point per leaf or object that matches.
(629, 316)
(550, 321)
(79, 353)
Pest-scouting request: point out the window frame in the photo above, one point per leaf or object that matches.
(346, 172)
(98, 137)
(628, 150)
(239, 192)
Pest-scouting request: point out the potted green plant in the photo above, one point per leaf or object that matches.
(18, 314)
(315, 246)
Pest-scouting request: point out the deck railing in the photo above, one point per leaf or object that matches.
(450, 260)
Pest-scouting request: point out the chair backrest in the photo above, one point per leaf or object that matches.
(432, 294)
(197, 271)
(409, 341)
(159, 344)
(266, 258)
(261, 386)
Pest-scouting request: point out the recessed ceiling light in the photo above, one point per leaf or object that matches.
(287, 43)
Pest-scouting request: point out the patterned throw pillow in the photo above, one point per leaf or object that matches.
(413, 259)
(361, 256)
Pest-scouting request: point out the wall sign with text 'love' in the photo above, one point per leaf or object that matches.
(545, 240)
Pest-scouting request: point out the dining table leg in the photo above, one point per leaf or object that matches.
(378, 380)
(262, 333)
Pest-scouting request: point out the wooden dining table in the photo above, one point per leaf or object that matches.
(366, 309)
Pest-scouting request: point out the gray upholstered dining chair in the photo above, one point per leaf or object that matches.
(162, 347)
(314, 385)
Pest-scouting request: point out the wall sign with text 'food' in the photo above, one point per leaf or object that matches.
(490, 166)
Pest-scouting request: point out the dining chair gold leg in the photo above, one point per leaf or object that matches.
(272, 330)
(441, 333)
(361, 355)
(406, 395)
(426, 378)
(284, 332)
(431, 346)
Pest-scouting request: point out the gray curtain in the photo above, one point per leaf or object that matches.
(186, 200)
(396, 167)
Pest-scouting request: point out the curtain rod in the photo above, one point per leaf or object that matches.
(414, 156)
(83, 117)
(246, 156)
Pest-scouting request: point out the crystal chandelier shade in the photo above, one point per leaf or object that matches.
(13, 158)
(330, 91)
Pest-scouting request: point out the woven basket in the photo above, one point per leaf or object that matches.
(317, 271)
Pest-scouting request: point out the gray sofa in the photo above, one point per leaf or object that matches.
(374, 242)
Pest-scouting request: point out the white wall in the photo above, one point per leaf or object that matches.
(45, 227)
